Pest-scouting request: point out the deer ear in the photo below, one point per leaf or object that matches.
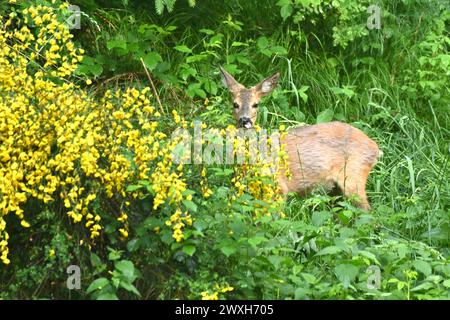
(268, 84)
(229, 81)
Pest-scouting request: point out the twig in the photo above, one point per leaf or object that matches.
(418, 26)
(285, 119)
(153, 86)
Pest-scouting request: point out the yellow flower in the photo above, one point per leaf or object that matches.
(207, 296)
(227, 289)
(124, 233)
(51, 253)
(123, 217)
(24, 224)
(67, 203)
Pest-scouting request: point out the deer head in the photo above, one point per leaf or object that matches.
(246, 101)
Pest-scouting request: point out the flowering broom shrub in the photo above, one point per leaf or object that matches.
(59, 144)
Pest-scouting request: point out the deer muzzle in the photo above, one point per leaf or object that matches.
(245, 122)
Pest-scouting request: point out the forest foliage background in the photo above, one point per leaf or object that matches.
(86, 177)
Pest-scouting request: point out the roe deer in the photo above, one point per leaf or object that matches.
(329, 154)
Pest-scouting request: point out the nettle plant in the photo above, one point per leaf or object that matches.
(194, 71)
(429, 77)
(120, 48)
(348, 17)
(225, 42)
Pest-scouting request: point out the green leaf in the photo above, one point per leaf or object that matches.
(207, 31)
(423, 267)
(368, 255)
(126, 268)
(286, 11)
(446, 283)
(87, 60)
(96, 70)
(329, 250)
(210, 87)
(318, 218)
(159, 6)
(402, 250)
(346, 90)
(170, 4)
(133, 187)
(237, 227)
(302, 93)
(244, 60)
(183, 48)
(189, 250)
(262, 42)
(239, 44)
(310, 278)
(115, 280)
(130, 288)
(346, 273)
(150, 190)
(187, 71)
(114, 255)
(90, 66)
(97, 284)
(266, 52)
(195, 89)
(107, 296)
(116, 43)
(325, 116)
(275, 260)
(345, 215)
(254, 241)
(231, 68)
(228, 250)
(196, 58)
(279, 50)
(95, 260)
(151, 60)
(133, 245)
(423, 286)
(301, 293)
(190, 205)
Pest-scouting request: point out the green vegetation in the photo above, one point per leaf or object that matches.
(393, 83)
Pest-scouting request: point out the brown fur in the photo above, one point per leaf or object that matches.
(328, 154)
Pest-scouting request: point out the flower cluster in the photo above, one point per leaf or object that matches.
(257, 175)
(177, 221)
(206, 295)
(57, 143)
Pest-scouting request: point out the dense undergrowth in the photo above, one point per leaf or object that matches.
(87, 176)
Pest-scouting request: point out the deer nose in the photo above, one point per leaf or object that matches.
(245, 122)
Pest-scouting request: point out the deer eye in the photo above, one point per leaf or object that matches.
(235, 105)
(255, 105)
